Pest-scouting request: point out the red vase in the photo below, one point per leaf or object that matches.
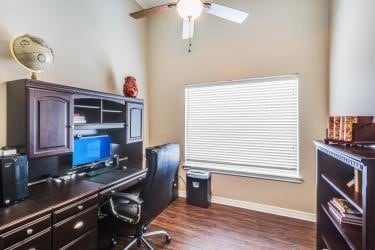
(130, 87)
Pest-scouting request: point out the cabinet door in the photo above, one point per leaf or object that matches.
(50, 128)
(134, 122)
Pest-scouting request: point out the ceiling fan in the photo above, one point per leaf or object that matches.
(190, 10)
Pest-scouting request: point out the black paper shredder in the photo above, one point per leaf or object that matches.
(198, 188)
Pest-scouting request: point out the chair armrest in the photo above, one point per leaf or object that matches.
(130, 197)
(126, 196)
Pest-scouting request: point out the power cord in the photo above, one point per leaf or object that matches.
(182, 179)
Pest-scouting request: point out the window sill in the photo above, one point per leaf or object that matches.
(293, 179)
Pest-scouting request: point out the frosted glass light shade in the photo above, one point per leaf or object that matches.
(189, 9)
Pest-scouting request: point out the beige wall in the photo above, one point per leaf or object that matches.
(352, 60)
(96, 44)
(279, 37)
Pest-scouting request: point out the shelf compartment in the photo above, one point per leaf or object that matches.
(351, 234)
(333, 242)
(89, 108)
(87, 102)
(91, 115)
(113, 105)
(99, 126)
(348, 193)
(113, 117)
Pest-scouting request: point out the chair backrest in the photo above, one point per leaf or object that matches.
(162, 162)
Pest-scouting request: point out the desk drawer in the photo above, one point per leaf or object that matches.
(70, 229)
(41, 241)
(88, 241)
(21, 233)
(73, 209)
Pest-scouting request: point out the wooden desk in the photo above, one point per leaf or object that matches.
(66, 210)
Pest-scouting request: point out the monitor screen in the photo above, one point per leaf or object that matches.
(91, 149)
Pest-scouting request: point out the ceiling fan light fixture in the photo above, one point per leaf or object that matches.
(189, 9)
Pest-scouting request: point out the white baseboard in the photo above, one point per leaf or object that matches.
(261, 208)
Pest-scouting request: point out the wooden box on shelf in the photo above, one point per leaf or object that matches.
(354, 130)
(336, 167)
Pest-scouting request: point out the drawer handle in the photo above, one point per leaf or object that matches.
(80, 207)
(29, 231)
(78, 225)
(32, 248)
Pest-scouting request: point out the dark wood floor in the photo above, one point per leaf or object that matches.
(224, 227)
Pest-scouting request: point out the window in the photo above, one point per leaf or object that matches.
(246, 127)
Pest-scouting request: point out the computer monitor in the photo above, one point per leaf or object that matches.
(91, 149)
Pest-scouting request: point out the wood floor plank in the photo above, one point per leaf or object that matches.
(224, 227)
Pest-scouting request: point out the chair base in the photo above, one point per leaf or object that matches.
(141, 239)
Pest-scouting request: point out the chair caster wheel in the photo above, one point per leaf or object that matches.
(168, 239)
(113, 242)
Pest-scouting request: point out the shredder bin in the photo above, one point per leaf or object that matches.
(198, 188)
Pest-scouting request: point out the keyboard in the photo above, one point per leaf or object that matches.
(98, 171)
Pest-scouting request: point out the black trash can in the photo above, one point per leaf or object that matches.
(198, 188)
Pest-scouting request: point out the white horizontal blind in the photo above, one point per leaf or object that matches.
(243, 127)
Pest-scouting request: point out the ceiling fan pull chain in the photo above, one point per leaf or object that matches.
(190, 40)
(190, 44)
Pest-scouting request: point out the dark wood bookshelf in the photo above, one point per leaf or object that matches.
(336, 165)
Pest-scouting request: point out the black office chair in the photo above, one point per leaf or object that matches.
(130, 211)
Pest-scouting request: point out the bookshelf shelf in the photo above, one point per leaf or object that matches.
(351, 234)
(85, 126)
(349, 194)
(112, 111)
(86, 107)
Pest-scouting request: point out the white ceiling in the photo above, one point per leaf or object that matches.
(152, 3)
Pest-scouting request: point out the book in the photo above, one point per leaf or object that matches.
(344, 215)
(79, 119)
(343, 220)
(344, 206)
(344, 212)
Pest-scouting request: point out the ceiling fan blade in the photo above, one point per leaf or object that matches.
(187, 29)
(153, 10)
(225, 12)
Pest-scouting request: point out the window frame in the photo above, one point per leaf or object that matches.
(247, 173)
